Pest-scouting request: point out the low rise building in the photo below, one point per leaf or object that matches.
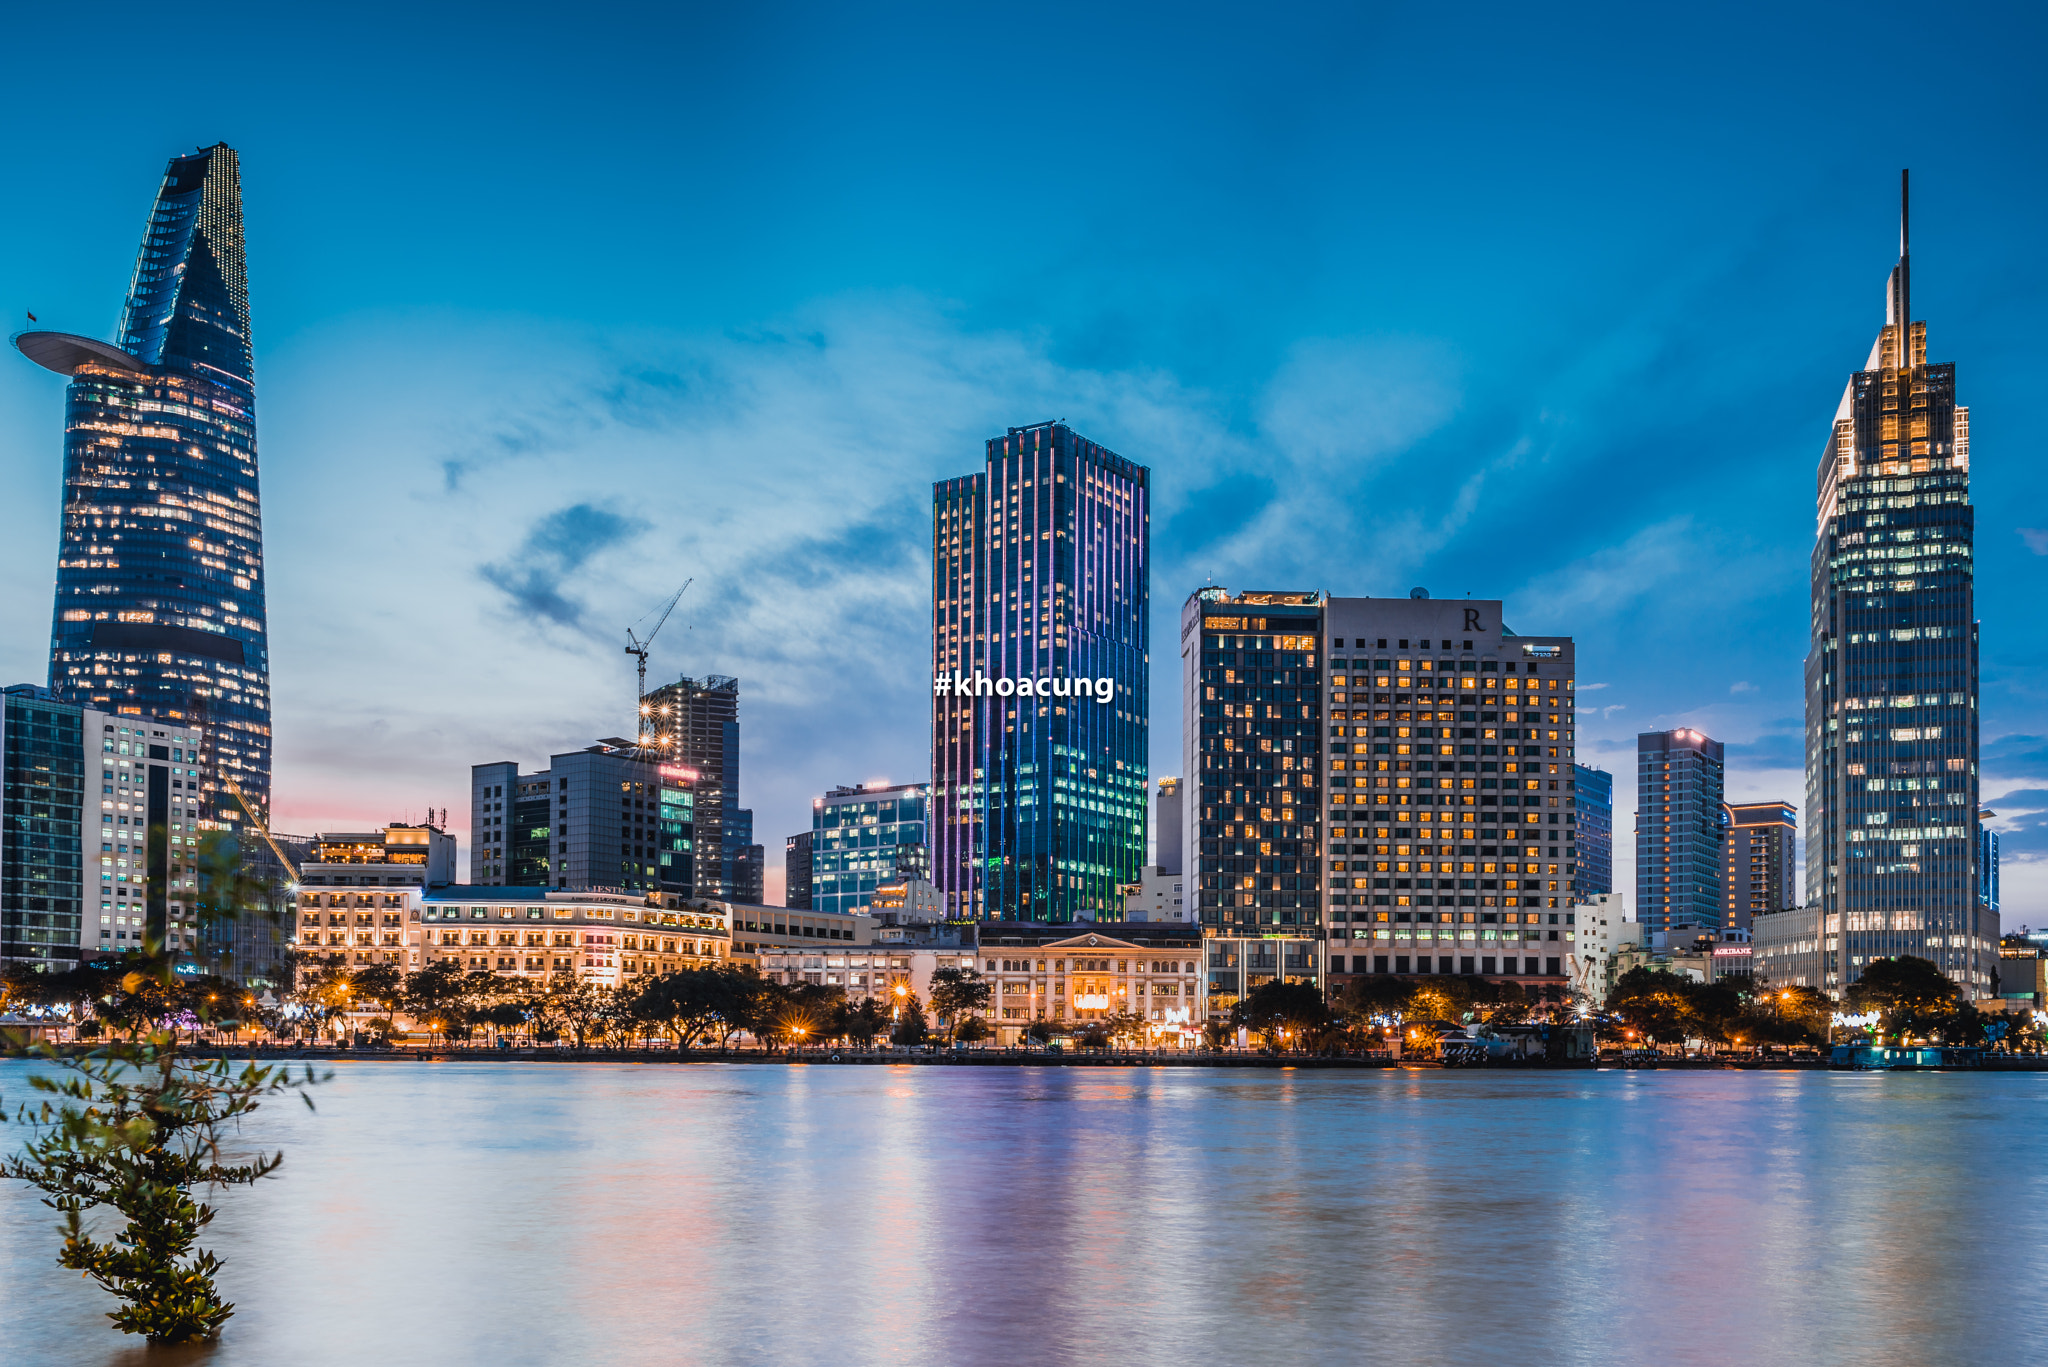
(394, 856)
(358, 927)
(906, 902)
(1035, 971)
(610, 939)
(759, 928)
(1604, 929)
(1801, 947)
(888, 973)
(1691, 961)
(359, 894)
(1733, 956)
(2022, 976)
(1157, 896)
(1153, 972)
(1788, 949)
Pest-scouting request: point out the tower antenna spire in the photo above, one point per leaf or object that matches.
(1905, 259)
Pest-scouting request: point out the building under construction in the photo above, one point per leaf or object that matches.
(696, 723)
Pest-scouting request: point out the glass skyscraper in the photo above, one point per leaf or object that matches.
(1040, 582)
(861, 837)
(1891, 672)
(43, 764)
(1594, 799)
(160, 590)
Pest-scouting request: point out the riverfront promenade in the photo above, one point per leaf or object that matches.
(1018, 1058)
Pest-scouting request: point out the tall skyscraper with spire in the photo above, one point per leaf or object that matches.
(160, 590)
(1891, 672)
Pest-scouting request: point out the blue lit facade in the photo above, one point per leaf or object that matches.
(857, 835)
(1040, 572)
(1987, 867)
(1593, 795)
(160, 591)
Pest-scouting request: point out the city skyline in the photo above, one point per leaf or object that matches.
(1363, 444)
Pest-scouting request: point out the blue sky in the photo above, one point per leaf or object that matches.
(554, 309)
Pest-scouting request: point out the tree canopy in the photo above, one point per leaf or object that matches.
(1913, 998)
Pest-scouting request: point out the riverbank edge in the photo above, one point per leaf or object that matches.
(991, 1059)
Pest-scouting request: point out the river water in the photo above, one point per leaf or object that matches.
(507, 1213)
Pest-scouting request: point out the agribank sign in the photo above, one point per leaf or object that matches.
(958, 685)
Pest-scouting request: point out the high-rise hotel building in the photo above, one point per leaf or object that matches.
(1759, 862)
(1891, 672)
(160, 589)
(1433, 835)
(1040, 575)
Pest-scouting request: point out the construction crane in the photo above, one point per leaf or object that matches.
(637, 648)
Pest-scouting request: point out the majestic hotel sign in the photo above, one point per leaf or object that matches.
(958, 685)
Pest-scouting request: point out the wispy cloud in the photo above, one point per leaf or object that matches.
(556, 546)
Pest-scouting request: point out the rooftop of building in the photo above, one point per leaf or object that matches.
(1147, 934)
(914, 788)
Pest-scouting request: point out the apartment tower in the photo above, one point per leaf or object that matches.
(1678, 834)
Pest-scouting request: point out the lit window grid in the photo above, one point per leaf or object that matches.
(1045, 576)
(1892, 682)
